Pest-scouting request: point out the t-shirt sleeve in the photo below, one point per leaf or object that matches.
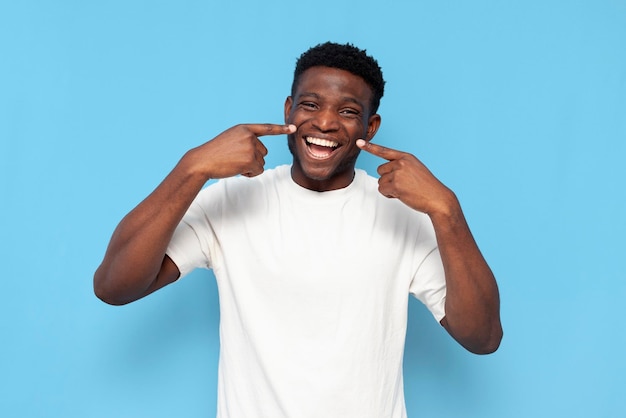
(190, 246)
(429, 284)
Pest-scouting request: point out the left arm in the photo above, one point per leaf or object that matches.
(472, 299)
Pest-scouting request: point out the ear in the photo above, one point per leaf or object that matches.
(288, 104)
(372, 126)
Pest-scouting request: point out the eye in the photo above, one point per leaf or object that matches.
(350, 112)
(308, 105)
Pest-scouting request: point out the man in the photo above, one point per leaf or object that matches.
(314, 261)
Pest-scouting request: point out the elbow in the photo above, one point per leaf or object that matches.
(106, 298)
(489, 344)
(485, 349)
(103, 291)
(476, 339)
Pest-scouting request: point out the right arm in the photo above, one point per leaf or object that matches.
(135, 263)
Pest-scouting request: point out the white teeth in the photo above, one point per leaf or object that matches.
(321, 142)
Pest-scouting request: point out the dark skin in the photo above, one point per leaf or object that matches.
(135, 263)
(328, 122)
(333, 105)
(472, 298)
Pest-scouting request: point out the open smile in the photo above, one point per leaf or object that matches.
(320, 148)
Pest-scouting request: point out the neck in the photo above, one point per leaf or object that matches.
(335, 182)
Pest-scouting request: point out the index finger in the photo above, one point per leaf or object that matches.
(378, 150)
(261, 129)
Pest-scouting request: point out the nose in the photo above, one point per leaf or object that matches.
(326, 120)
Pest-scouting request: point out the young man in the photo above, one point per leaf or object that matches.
(314, 261)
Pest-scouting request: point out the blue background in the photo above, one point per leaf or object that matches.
(518, 106)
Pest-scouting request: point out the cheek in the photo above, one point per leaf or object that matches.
(294, 119)
(291, 143)
(357, 128)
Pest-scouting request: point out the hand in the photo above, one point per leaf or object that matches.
(472, 299)
(404, 177)
(237, 150)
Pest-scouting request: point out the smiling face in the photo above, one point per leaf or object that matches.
(331, 110)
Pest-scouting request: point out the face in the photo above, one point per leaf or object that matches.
(331, 110)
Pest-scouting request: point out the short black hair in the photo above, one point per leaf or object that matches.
(344, 57)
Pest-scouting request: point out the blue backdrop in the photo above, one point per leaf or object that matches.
(518, 106)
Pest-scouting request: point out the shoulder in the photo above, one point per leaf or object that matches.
(365, 183)
(392, 209)
(239, 190)
(268, 178)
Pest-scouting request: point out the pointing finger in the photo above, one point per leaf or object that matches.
(261, 129)
(378, 150)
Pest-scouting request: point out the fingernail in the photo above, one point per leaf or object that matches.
(360, 143)
(292, 128)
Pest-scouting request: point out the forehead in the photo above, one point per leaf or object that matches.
(333, 81)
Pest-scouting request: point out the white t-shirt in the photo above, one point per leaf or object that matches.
(313, 291)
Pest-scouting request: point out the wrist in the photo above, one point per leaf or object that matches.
(447, 210)
(188, 176)
(194, 167)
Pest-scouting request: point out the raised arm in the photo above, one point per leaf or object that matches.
(135, 263)
(472, 298)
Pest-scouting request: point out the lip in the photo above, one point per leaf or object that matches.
(320, 143)
(319, 135)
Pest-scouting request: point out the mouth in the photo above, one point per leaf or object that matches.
(320, 148)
